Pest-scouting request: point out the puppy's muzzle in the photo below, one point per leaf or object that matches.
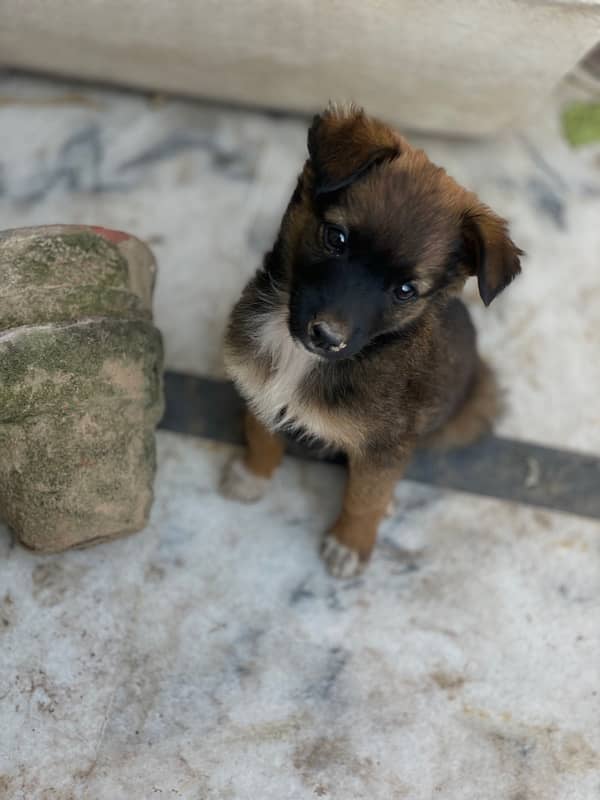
(327, 336)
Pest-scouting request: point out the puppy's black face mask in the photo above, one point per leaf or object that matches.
(336, 307)
(345, 292)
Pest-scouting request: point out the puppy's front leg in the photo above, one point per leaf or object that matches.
(247, 478)
(369, 491)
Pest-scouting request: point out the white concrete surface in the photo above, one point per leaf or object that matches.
(210, 657)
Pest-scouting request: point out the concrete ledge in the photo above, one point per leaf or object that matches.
(458, 67)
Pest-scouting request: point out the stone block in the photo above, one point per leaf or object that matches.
(80, 385)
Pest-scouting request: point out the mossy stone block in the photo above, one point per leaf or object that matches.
(80, 385)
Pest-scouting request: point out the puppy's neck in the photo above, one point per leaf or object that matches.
(271, 368)
(273, 340)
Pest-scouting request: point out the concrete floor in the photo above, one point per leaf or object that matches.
(210, 657)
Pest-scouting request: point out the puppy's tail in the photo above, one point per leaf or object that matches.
(475, 417)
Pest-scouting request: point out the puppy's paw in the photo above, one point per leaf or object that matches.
(390, 509)
(238, 483)
(341, 561)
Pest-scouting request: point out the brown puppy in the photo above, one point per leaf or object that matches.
(351, 334)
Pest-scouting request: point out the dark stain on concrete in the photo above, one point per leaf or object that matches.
(301, 593)
(54, 580)
(547, 201)
(7, 612)
(335, 663)
(448, 681)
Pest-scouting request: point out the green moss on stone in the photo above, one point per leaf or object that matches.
(68, 304)
(45, 371)
(86, 241)
(67, 259)
(51, 473)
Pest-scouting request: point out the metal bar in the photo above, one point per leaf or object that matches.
(523, 472)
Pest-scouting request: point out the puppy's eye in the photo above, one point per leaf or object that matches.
(335, 239)
(405, 292)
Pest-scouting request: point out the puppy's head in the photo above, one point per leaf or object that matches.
(375, 233)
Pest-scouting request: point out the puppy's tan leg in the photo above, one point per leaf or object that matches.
(369, 491)
(246, 479)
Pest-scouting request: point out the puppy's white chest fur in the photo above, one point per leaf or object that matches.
(275, 399)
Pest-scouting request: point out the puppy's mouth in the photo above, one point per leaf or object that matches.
(334, 353)
(325, 335)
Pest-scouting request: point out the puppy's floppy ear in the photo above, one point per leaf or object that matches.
(344, 143)
(489, 251)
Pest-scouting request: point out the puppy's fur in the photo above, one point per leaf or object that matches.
(351, 332)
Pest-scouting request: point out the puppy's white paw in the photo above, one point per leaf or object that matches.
(390, 509)
(341, 561)
(238, 483)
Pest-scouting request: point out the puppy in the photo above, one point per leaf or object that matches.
(351, 333)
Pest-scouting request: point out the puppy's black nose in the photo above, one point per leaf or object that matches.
(327, 336)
